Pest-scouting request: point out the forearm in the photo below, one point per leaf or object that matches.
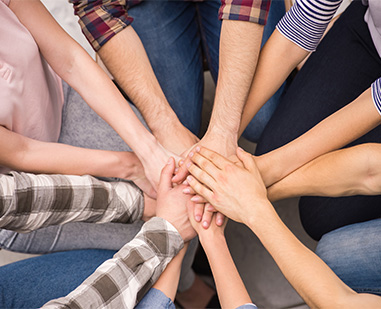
(30, 202)
(336, 131)
(308, 274)
(28, 155)
(278, 57)
(239, 48)
(138, 80)
(230, 288)
(350, 171)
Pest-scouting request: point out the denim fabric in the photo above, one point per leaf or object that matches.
(176, 36)
(155, 299)
(33, 282)
(344, 65)
(353, 252)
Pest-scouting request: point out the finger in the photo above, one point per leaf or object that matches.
(216, 158)
(198, 199)
(166, 175)
(201, 176)
(202, 190)
(210, 207)
(207, 217)
(182, 172)
(247, 159)
(206, 165)
(220, 219)
(198, 211)
(189, 190)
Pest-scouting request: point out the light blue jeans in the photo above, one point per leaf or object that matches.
(353, 252)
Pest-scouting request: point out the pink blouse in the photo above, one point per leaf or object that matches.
(31, 95)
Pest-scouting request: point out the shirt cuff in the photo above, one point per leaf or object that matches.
(376, 94)
(255, 11)
(101, 20)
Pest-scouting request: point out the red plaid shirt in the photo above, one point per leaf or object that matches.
(100, 20)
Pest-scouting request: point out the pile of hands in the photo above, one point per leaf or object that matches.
(196, 193)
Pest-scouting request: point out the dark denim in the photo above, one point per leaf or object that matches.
(344, 65)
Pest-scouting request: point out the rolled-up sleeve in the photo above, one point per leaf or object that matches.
(255, 11)
(100, 20)
(376, 94)
(305, 23)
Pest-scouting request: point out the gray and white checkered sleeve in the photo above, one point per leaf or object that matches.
(121, 281)
(29, 202)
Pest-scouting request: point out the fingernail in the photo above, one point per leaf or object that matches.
(186, 191)
(185, 182)
(189, 164)
(191, 154)
(220, 222)
(198, 149)
(189, 179)
(176, 169)
(197, 218)
(205, 224)
(169, 161)
(195, 199)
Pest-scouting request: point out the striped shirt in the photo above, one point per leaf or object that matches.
(100, 20)
(29, 202)
(304, 24)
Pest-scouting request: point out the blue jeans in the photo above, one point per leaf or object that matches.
(353, 252)
(188, 32)
(33, 282)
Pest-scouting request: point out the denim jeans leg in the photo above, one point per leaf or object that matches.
(353, 252)
(32, 282)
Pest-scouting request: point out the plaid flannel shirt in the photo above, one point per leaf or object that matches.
(29, 202)
(100, 20)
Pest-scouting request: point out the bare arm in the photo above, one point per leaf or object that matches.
(239, 49)
(239, 192)
(138, 80)
(278, 57)
(350, 171)
(230, 288)
(75, 66)
(336, 131)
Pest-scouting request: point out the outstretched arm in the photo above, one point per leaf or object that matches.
(107, 28)
(75, 66)
(239, 192)
(230, 288)
(349, 171)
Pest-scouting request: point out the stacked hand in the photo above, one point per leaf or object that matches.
(232, 188)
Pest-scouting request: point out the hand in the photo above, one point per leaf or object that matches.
(205, 235)
(171, 203)
(230, 188)
(217, 143)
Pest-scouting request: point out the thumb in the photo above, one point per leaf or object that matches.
(166, 175)
(247, 159)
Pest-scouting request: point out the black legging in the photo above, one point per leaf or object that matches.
(344, 65)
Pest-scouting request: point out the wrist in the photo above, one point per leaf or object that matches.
(211, 240)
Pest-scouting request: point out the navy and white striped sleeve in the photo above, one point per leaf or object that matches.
(376, 94)
(304, 24)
